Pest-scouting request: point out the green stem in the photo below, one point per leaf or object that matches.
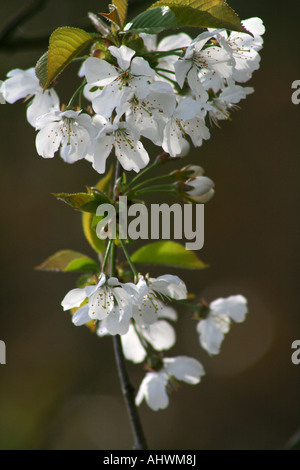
(187, 304)
(177, 51)
(75, 94)
(149, 191)
(142, 173)
(106, 256)
(141, 339)
(169, 79)
(151, 180)
(165, 70)
(132, 267)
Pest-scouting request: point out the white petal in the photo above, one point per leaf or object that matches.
(140, 86)
(101, 151)
(218, 60)
(175, 41)
(187, 109)
(197, 130)
(210, 335)
(101, 304)
(169, 285)
(149, 41)
(19, 84)
(140, 66)
(153, 390)
(147, 312)
(123, 55)
(76, 145)
(181, 69)
(48, 140)
(98, 72)
(131, 154)
(196, 86)
(42, 104)
(202, 39)
(74, 298)
(255, 26)
(234, 307)
(186, 369)
(109, 99)
(161, 335)
(117, 322)
(234, 94)
(173, 142)
(81, 316)
(132, 348)
(53, 116)
(168, 312)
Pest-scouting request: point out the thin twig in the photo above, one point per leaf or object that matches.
(127, 388)
(129, 396)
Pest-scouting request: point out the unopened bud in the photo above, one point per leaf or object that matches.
(199, 189)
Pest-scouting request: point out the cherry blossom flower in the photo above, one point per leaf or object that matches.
(219, 108)
(217, 321)
(156, 385)
(22, 84)
(132, 74)
(148, 292)
(197, 62)
(105, 301)
(125, 139)
(187, 119)
(70, 130)
(244, 48)
(150, 115)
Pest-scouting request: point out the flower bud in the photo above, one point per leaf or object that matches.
(200, 189)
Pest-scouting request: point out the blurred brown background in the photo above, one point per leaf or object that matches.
(59, 388)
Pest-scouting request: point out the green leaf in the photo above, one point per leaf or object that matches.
(179, 13)
(41, 69)
(85, 202)
(122, 6)
(88, 218)
(167, 253)
(65, 43)
(67, 261)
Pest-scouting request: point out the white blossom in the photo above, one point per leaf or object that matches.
(218, 320)
(148, 292)
(124, 138)
(156, 385)
(106, 301)
(150, 115)
(244, 48)
(132, 74)
(70, 131)
(219, 108)
(187, 119)
(22, 84)
(198, 62)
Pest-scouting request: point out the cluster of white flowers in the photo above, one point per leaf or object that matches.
(190, 84)
(138, 312)
(191, 81)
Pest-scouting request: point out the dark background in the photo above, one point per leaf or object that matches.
(59, 388)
